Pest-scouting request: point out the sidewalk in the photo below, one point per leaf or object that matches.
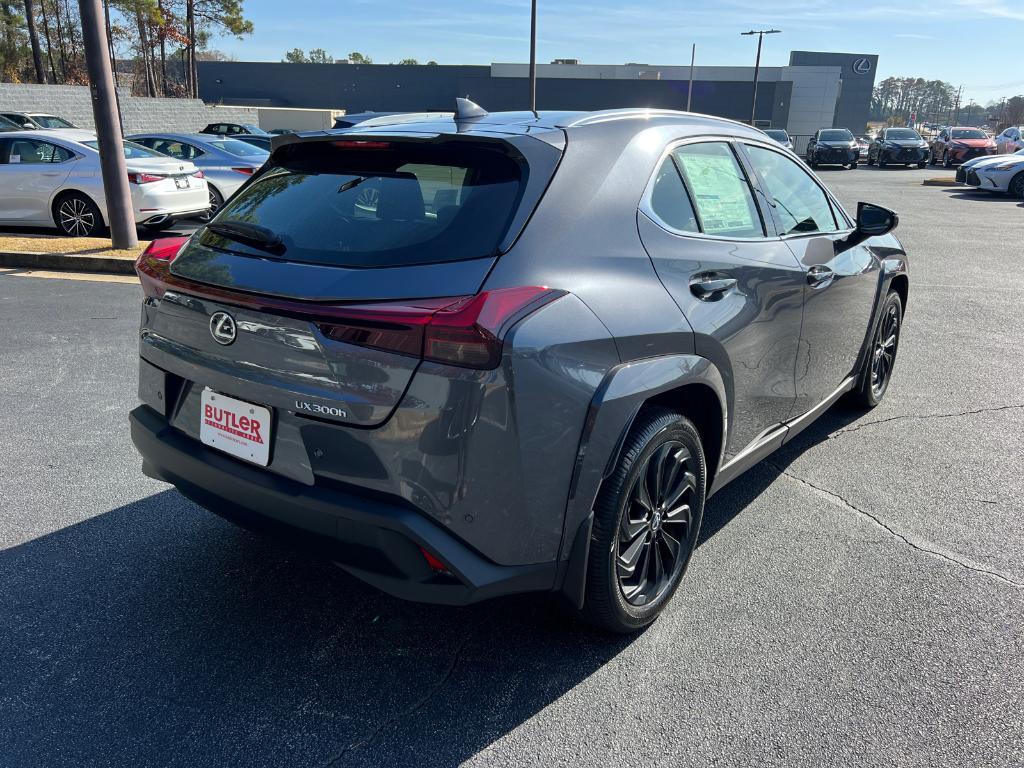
(78, 254)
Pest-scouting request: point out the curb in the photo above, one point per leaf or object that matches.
(941, 181)
(68, 262)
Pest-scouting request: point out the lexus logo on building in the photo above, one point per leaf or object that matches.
(222, 328)
(862, 65)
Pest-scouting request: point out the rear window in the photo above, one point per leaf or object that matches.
(132, 151)
(240, 148)
(777, 134)
(399, 203)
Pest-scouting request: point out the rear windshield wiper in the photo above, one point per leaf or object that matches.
(248, 234)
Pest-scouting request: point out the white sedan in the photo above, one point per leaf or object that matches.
(53, 179)
(995, 173)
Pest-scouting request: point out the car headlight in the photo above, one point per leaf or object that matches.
(1002, 167)
(957, 145)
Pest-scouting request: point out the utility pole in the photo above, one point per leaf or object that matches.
(956, 105)
(108, 127)
(757, 62)
(689, 90)
(533, 56)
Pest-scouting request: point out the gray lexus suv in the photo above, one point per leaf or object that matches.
(485, 354)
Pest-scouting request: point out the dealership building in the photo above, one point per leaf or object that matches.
(815, 90)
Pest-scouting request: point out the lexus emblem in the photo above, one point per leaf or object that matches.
(862, 65)
(222, 328)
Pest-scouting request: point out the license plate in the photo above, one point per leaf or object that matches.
(236, 427)
(181, 182)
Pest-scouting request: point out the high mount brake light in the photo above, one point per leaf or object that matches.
(466, 331)
(355, 144)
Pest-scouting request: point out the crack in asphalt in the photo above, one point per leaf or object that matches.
(412, 708)
(915, 543)
(924, 416)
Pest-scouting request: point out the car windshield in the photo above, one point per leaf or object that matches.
(969, 133)
(240, 148)
(777, 134)
(255, 130)
(838, 134)
(49, 121)
(902, 134)
(393, 205)
(132, 151)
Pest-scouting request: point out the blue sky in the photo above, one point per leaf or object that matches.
(969, 42)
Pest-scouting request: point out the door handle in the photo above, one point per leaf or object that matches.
(711, 286)
(819, 276)
(51, 173)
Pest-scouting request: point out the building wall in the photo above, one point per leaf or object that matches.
(74, 103)
(857, 76)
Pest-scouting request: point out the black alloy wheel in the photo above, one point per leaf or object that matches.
(877, 371)
(1016, 185)
(646, 522)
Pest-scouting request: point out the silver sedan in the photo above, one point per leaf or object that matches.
(227, 162)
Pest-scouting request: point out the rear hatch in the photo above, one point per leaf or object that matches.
(333, 259)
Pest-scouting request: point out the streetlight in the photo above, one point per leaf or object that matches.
(757, 63)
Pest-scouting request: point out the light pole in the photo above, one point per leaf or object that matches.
(757, 62)
(533, 56)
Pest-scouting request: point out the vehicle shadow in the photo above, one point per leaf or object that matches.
(158, 634)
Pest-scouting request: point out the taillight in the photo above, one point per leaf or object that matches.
(467, 331)
(198, 174)
(246, 170)
(153, 263)
(144, 178)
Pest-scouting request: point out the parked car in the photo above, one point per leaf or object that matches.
(779, 135)
(598, 368)
(234, 129)
(226, 162)
(898, 146)
(262, 142)
(36, 120)
(953, 146)
(833, 146)
(1010, 140)
(53, 179)
(1000, 174)
(863, 144)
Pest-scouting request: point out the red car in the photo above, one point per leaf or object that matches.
(957, 145)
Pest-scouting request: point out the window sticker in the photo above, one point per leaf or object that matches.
(723, 197)
(15, 159)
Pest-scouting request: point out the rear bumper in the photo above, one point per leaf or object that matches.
(377, 540)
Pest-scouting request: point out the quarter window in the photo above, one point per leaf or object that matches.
(801, 206)
(669, 200)
(721, 192)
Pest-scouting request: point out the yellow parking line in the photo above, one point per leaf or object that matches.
(89, 276)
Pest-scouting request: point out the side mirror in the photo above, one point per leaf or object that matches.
(872, 221)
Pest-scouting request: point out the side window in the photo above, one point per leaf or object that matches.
(670, 201)
(31, 152)
(800, 204)
(721, 191)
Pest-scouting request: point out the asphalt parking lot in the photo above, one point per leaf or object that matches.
(857, 600)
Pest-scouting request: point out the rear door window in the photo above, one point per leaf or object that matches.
(381, 204)
(721, 191)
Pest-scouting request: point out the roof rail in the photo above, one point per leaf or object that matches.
(604, 115)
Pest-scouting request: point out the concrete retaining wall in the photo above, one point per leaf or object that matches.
(138, 113)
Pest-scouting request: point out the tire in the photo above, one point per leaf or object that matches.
(1016, 185)
(931, 158)
(946, 161)
(869, 161)
(813, 163)
(216, 201)
(881, 160)
(870, 390)
(631, 525)
(76, 215)
(922, 165)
